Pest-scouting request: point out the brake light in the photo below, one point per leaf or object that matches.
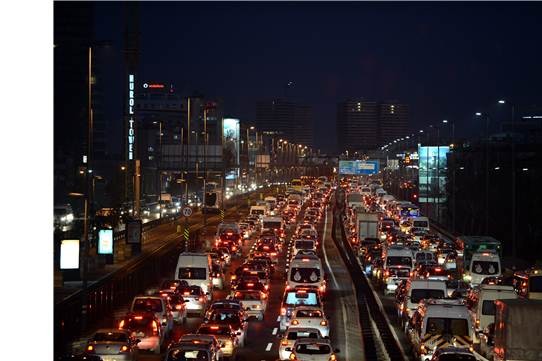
(124, 348)
(283, 311)
(233, 277)
(305, 260)
(332, 357)
(293, 357)
(121, 325)
(295, 322)
(284, 342)
(323, 323)
(233, 248)
(273, 253)
(264, 296)
(200, 298)
(250, 284)
(214, 327)
(154, 328)
(178, 307)
(138, 317)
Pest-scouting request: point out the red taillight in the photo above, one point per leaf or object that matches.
(284, 342)
(200, 298)
(90, 348)
(178, 307)
(323, 323)
(295, 322)
(121, 325)
(154, 328)
(234, 248)
(124, 348)
(273, 253)
(283, 311)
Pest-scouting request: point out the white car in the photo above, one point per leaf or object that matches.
(310, 316)
(292, 334)
(159, 306)
(253, 302)
(197, 301)
(307, 349)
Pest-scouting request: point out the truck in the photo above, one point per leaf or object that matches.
(366, 225)
(517, 330)
(354, 199)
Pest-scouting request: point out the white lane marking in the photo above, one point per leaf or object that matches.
(274, 331)
(269, 345)
(343, 309)
(278, 318)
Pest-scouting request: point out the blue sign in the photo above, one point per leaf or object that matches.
(358, 167)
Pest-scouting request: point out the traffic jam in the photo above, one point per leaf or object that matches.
(216, 297)
(452, 298)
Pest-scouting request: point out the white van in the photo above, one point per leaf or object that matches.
(398, 262)
(271, 203)
(421, 223)
(482, 265)
(419, 289)
(481, 303)
(258, 211)
(306, 272)
(196, 269)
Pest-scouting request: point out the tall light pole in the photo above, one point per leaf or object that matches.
(158, 163)
(513, 183)
(453, 146)
(486, 117)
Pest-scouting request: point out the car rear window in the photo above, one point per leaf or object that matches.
(309, 313)
(297, 298)
(294, 335)
(110, 336)
(147, 305)
(313, 349)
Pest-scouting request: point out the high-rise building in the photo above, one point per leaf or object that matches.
(284, 118)
(365, 125)
(357, 125)
(73, 35)
(392, 121)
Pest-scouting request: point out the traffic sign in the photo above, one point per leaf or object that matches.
(186, 211)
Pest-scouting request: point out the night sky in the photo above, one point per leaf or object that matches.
(446, 60)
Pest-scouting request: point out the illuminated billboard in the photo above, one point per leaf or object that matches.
(231, 134)
(432, 174)
(105, 241)
(69, 254)
(358, 167)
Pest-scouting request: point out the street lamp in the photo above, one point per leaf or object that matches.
(513, 183)
(479, 114)
(158, 173)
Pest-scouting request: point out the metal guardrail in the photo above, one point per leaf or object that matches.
(369, 309)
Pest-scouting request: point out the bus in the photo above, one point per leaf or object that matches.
(468, 245)
(297, 185)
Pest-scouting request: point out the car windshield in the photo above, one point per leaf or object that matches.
(192, 273)
(488, 308)
(304, 275)
(272, 224)
(214, 330)
(247, 296)
(418, 294)
(294, 335)
(399, 261)
(309, 313)
(313, 349)
(224, 316)
(450, 326)
(188, 355)
(147, 305)
(110, 336)
(485, 267)
(304, 244)
(301, 298)
(535, 284)
(457, 357)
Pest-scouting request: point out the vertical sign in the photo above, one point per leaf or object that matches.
(69, 254)
(131, 130)
(105, 241)
(133, 231)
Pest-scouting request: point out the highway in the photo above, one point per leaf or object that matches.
(263, 336)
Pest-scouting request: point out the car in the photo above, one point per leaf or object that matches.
(218, 276)
(310, 316)
(233, 318)
(113, 345)
(292, 334)
(253, 302)
(267, 250)
(453, 354)
(293, 298)
(307, 349)
(173, 285)
(250, 283)
(225, 335)
(177, 303)
(197, 300)
(227, 304)
(146, 327)
(191, 352)
(157, 304)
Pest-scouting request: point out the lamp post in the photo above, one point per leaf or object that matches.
(452, 145)
(478, 114)
(158, 172)
(513, 183)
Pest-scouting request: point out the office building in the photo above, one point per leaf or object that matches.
(392, 121)
(287, 119)
(357, 125)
